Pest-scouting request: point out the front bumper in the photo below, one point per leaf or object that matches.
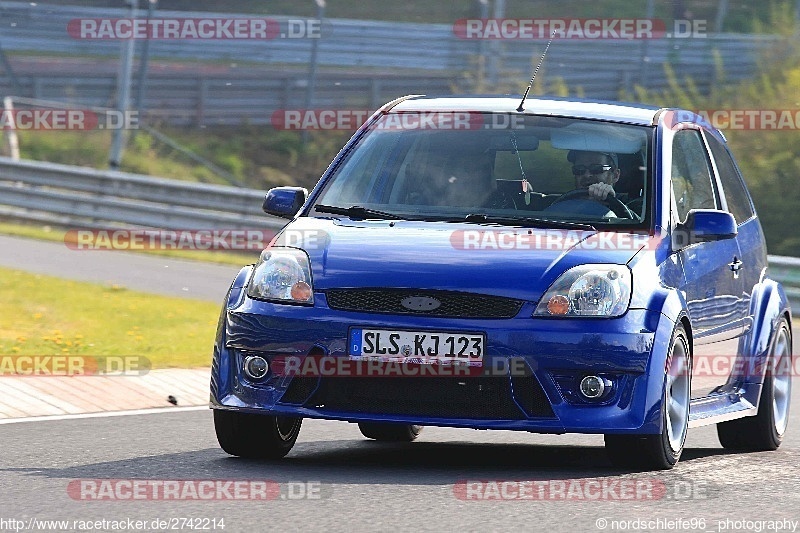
(630, 351)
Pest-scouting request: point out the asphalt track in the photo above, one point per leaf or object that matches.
(360, 485)
(450, 479)
(135, 271)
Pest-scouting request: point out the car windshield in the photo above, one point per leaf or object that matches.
(494, 168)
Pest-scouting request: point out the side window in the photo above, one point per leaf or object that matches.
(691, 174)
(732, 186)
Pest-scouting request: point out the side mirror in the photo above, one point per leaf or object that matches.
(704, 225)
(284, 202)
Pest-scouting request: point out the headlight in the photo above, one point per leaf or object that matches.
(588, 290)
(282, 274)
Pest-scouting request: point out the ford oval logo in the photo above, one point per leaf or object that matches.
(420, 303)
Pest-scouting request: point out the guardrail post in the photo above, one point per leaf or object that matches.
(626, 82)
(286, 93)
(202, 96)
(37, 88)
(11, 133)
(375, 94)
(644, 52)
(123, 92)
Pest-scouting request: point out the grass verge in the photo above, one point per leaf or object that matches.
(43, 315)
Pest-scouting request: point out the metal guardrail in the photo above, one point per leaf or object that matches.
(367, 63)
(361, 43)
(85, 197)
(787, 271)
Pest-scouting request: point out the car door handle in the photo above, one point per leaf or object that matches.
(736, 265)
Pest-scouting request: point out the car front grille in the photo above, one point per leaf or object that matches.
(439, 397)
(453, 304)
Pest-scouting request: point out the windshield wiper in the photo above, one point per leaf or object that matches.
(527, 221)
(356, 211)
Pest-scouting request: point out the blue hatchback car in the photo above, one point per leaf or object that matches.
(567, 267)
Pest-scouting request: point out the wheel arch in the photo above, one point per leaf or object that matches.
(687, 327)
(769, 305)
(670, 313)
(221, 370)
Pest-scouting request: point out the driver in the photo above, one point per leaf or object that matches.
(597, 172)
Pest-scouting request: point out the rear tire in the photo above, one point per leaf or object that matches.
(255, 436)
(661, 451)
(388, 432)
(764, 432)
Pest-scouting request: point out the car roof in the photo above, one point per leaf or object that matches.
(564, 107)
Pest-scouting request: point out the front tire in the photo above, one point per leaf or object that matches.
(255, 436)
(661, 451)
(388, 432)
(764, 432)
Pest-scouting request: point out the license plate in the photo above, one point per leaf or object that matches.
(417, 346)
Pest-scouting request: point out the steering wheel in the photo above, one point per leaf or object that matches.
(612, 202)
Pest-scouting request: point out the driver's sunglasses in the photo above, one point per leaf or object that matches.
(596, 168)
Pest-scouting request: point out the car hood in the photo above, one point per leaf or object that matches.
(511, 262)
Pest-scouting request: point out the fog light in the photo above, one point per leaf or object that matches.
(592, 387)
(255, 367)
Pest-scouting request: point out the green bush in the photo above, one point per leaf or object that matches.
(768, 158)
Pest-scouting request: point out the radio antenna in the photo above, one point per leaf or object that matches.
(541, 60)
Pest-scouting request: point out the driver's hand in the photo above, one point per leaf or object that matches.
(600, 191)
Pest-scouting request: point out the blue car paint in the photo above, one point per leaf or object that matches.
(633, 346)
